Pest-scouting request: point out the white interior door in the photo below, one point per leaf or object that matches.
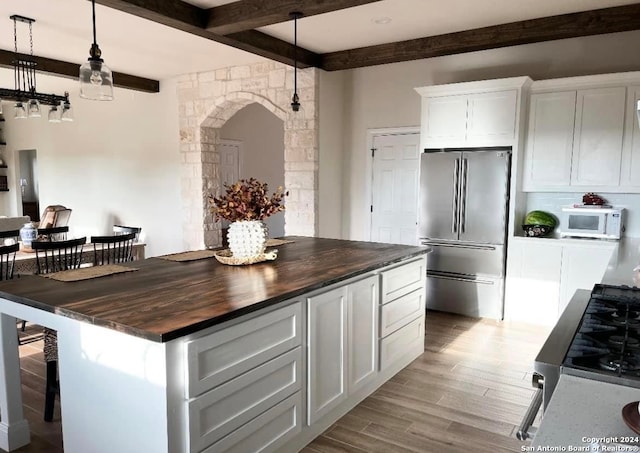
(229, 165)
(395, 180)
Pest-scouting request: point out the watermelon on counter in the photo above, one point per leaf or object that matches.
(540, 218)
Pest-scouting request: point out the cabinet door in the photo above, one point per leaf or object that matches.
(327, 341)
(363, 331)
(597, 150)
(533, 281)
(444, 120)
(549, 140)
(582, 267)
(492, 118)
(631, 163)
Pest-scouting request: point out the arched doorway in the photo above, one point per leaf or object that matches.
(201, 118)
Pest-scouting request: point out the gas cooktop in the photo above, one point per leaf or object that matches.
(606, 346)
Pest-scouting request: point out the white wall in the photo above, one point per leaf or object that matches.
(383, 96)
(118, 162)
(262, 137)
(331, 150)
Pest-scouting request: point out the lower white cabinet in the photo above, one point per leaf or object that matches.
(342, 344)
(543, 275)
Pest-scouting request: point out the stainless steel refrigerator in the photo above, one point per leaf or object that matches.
(464, 196)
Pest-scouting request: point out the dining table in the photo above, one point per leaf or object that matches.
(26, 258)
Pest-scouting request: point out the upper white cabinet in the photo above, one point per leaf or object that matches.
(583, 135)
(550, 139)
(597, 149)
(471, 114)
(631, 154)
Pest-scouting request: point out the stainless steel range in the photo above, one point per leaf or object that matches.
(597, 337)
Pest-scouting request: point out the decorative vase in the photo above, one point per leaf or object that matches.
(247, 238)
(28, 234)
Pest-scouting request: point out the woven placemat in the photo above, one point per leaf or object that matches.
(277, 242)
(189, 256)
(86, 273)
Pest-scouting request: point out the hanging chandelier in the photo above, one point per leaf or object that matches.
(295, 100)
(26, 97)
(96, 79)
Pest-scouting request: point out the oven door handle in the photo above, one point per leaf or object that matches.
(526, 431)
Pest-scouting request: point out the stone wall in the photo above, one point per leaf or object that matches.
(206, 101)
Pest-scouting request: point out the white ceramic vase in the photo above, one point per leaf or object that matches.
(247, 238)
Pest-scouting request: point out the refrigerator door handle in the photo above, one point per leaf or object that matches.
(456, 194)
(458, 245)
(447, 276)
(463, 195)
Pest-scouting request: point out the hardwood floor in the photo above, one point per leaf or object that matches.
(468, 391)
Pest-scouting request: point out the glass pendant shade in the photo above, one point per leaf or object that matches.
(67, 112)
(34, 108)
(54, 114)
(637, 111)
(20, 111)
(96, 81)
(0, 106)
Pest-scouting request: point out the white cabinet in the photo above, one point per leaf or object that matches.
(467, 120)
(543, 275)
(577, 139)
(597, 149)
(582, 267)
(402, 311)
(550, 140)
(481, 113)
(532, 288)
(342, 344)
(631, 154)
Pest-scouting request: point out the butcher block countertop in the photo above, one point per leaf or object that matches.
(164, 300)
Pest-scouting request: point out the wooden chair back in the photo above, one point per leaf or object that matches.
(112, 249)
(55, 256)
(122, 229)
(53, 233)
(7, 260)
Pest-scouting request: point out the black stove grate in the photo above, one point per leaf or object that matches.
(606, 345)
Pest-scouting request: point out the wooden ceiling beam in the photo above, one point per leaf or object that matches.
(587, 23)
(70, 70)
(249, 14)
(191, 19)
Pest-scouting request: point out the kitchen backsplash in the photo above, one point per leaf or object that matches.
(553, 202)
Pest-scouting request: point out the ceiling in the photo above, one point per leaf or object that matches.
(133, 44)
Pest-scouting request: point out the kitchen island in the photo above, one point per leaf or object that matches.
(198, 356)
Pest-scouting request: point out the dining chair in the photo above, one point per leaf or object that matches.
(8, 239)
(122, 229)
(55, 256)
(112, 249)
(53, 233)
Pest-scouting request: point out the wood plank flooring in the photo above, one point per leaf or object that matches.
(468, 391)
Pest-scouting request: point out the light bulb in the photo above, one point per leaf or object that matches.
(96, 78)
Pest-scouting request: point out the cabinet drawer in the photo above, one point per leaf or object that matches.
(266, 433)
(396, 345)
(223, 355)
(401, 311)
(403, 279)
(229, 406)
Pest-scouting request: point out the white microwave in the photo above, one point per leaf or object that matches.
(592, 222)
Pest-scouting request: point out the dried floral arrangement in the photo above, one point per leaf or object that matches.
(247, 199)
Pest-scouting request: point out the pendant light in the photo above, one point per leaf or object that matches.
(638, 110)
(295, 101)
(96, 79)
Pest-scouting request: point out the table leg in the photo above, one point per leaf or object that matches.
(14, 429)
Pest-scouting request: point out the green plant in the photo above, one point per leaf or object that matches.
(247, 199)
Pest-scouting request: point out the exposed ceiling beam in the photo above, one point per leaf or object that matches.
(70, 70)
(183, 16)
(249, 14)
(595, 22)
